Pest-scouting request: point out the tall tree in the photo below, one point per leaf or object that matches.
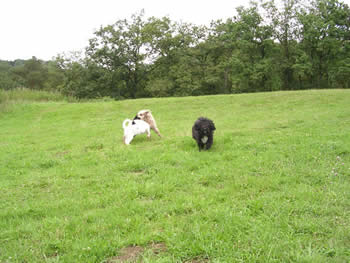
(252, 56)
(128, 49)
(325, 40)
(286, 30)
(175, 71)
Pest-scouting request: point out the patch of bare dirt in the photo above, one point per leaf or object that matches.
(198, 260)
(133, 254)
(61, 154)
(158, 248)
(127, 254)
(137, 172)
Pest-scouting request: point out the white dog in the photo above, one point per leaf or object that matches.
(130, 129)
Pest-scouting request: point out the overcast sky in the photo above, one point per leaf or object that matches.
(45, 28)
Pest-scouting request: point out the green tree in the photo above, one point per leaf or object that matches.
(127, 49)
(33, 73)
(325, 41)
(55, 76)
(6, 79)
(251, 51)
(286, 30)
(216, 53)
(75, 75)
(178, 71)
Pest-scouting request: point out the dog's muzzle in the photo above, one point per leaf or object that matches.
(204, 139)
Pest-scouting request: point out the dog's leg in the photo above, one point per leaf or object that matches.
(209, 142)
(157, 131)
(149, 133)
(154, 127)
(200, 146)
(127, 140)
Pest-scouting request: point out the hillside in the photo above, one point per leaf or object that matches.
(273, 188)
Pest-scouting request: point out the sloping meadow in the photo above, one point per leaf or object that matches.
(274, 187)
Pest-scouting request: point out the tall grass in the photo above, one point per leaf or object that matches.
(21, 95)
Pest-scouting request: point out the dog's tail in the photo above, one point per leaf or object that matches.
(126, 123)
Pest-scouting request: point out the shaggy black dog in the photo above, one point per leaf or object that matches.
(203, 131)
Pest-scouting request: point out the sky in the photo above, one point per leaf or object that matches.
(46, 28)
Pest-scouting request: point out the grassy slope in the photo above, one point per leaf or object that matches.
(274, 187)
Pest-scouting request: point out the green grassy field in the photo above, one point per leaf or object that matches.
(275, 187)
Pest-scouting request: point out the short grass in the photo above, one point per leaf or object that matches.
(275, 186)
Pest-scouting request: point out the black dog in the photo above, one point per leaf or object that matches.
(203, 131)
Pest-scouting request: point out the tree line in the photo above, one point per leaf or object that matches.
(263, 47)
